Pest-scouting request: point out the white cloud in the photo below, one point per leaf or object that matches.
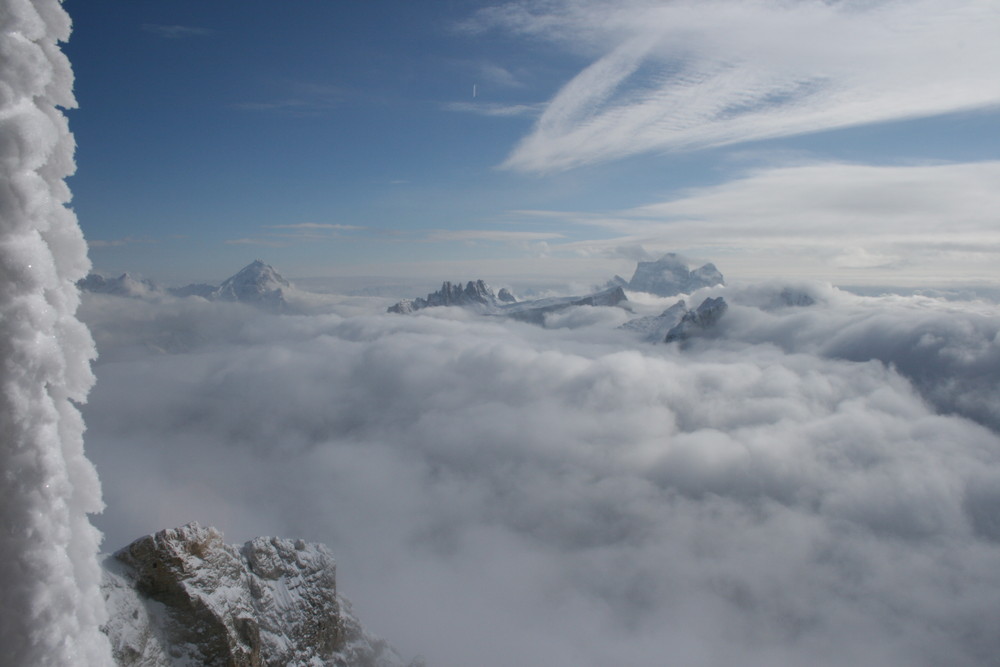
(491, 235)
(267, 243)
(779, 495)
(688, 74)
(316, 226)
(931, 220)
(113, 243)
(496, 75)
(495, 109)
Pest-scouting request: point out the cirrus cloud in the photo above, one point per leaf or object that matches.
(683, 75)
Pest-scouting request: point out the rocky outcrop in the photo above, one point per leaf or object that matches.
(670, 275)
(184, 597)
(697, 322)
(476, 294)
(535, 312)
(123, 285)
(653, 329)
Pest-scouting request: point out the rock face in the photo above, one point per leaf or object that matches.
(535, 311)
(696, 322)
(670, 275)
(654, 329)
(476, 294)
(123, 285)
(184, 597)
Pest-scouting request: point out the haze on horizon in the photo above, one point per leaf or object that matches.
(853, 142)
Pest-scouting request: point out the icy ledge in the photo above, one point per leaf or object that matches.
(185, 597)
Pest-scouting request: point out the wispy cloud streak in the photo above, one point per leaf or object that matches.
(688, 75)
(847, 215)
(177, 31)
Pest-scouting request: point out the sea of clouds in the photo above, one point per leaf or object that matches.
(805, 485)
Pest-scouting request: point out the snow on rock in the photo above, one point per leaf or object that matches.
(185, 597)
(257, 283)
(670, 275)
(535, 312)
(49, 574)
(654, 329)
(695, 322)
(476, 294)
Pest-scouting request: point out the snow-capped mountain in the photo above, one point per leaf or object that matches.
(670, 275)
(257, 283)
(184, 597)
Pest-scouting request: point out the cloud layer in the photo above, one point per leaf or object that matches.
(682, 75)
(925, 220)
(498, 493)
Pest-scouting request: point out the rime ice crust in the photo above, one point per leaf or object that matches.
(48, 550)
(183, 596)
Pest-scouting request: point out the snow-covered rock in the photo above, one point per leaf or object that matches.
(476, 295)
(257, 283)
(791, 298)
(696, 322)
(670, 275)
(185, 597)
(535, 312)
(123, 285)
(653, 329)
(505, 296)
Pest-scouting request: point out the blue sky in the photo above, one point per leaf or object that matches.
(856, 142)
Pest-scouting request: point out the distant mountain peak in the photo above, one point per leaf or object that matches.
(476, 294)
(124, 285)
(697, 322)
(670, 275)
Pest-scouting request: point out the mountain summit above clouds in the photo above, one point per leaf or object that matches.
(476, 294)
(669, 276)
(257, 283)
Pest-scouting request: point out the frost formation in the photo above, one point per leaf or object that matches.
(52, 607)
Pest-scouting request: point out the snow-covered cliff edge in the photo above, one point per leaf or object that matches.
(185, 597)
